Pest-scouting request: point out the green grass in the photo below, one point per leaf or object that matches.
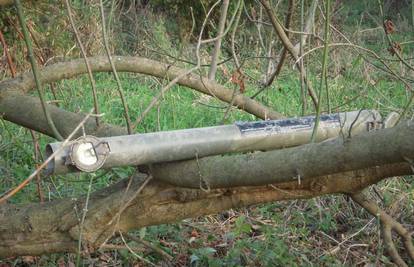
(294, 233)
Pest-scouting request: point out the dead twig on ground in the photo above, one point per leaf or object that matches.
(388, 224)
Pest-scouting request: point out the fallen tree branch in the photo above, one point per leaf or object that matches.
(70, 69)
(27, 111)
(54, 226)
(297, 163)
(294, 163)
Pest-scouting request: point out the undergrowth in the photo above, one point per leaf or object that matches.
(329, 231)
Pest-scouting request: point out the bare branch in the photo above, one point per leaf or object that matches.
(113, 69)
(65, 70)
(35, 70)
(284, 50)
(331, 156)
(216, 52)
(289, 46)
(88, 67)
(387, 225)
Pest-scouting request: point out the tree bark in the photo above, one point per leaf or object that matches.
(337, 155)
(217, 45)
(34, 229)
(41, 228)
(27, 111)
(66, 70)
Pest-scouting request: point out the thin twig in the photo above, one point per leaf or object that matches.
(37, 156)
(233, 35)
(133, 252)
(226, 113)
(88, 66)
(41, 58)
(301, 62)
(36, 148)
(284, 53)
(387, 225)
(391, 42)
(117, 247)
(35, 71)
(128, 202)
(293, 50)
(228, 28)
(375, 55)
(12, 192)
(324, 72)
(84, 211)
(8, 57)
(156, 99)
(151, 246)
(118, 81)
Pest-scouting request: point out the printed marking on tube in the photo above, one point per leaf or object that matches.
(288, 125)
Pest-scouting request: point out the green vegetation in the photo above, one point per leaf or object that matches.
(328, 231)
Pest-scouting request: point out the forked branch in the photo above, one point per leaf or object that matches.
(388, 224)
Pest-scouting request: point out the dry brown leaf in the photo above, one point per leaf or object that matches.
(389, 26)
(238, 78)
(395, 48)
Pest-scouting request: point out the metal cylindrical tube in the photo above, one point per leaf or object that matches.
(176, 145)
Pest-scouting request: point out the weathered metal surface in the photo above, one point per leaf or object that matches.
(291, 125)
(200, 142)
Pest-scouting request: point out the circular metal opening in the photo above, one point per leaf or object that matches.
(88, 153)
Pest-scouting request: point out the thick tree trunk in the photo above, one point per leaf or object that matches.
(34, 229)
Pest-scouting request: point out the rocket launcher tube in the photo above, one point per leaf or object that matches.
(90, 153)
